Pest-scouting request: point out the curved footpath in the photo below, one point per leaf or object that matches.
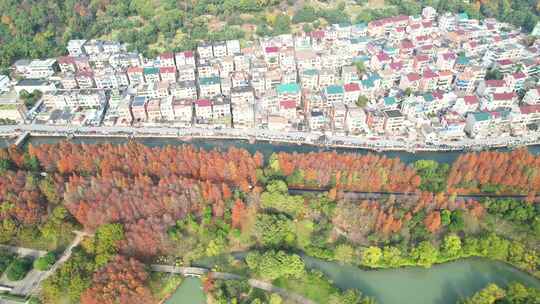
(199, 271)
(329, 140)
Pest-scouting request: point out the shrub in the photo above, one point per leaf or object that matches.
(45, 262)
(17, 269)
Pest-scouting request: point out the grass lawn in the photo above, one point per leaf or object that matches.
(313, 286)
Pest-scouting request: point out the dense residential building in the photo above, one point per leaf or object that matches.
(432, 76)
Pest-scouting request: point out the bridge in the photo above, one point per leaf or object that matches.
(21, 138)
(199, 271)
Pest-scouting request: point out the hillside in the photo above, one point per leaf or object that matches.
(41, 28)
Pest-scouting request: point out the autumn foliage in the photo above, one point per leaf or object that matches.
(352, 172)
(22, 198)
(121, 281)
(515, 172)
(357, 220)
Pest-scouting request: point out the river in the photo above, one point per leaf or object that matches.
(266, 148)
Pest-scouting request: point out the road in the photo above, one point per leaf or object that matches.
(310, 138)
(199, 271)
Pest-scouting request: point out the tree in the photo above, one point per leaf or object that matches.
(451, 246)
(238, 213)
(105, 243)
(360, 67)
(488, 295)
(371, 256)
(275, 264)
(362, 101)
(494, 74)
(121, 281)
(18, 269)
(45, 262)
(344, 253)
(425, 254)
(274, 230)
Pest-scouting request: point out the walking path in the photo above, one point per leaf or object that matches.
(309, 138)
(36, 287)
(361, 195)
(199, 271)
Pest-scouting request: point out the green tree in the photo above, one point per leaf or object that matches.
(425, 254)
(104, 245)
(18, 269)
(274, 230)
(451, 246)
(275, 264)
(371, 256)
(488, 295)
(344, 253)
(360, 68)
(362, 101)
(45, 262)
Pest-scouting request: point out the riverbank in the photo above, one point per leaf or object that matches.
(373, 143)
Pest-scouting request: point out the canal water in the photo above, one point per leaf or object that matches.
(189, 292)
(266, 148)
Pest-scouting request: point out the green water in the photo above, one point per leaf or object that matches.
(189, 292)
(444, 284)
(264, 147)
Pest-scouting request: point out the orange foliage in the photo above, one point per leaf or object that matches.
(121, 281)
(350, 171)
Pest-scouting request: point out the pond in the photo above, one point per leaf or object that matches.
(444, 283)
(189, 292)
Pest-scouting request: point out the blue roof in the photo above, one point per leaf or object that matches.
(288, 88)
(334, 89)
(388, 101)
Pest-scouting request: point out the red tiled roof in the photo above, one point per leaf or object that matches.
(503, 96)
(203, 103)
(519, 75)
(317, 34)
(397, 66)
(449, 56)
(66, 60)
(287, 104)
(271, 49)
(470, 99)
(163, 70)
(407, 44)
(493, 83)
(383, 57)
(429, 74)
(528, 109)
(413, 77)
(350, 87)
(134, 70)
(421, 58)
(505, 62)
